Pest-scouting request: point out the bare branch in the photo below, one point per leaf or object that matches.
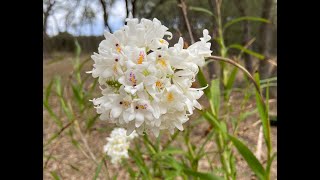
(185, 16)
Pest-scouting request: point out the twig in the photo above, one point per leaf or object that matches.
(185, 16)
(86, 143)
(227, 60)
(248, 127)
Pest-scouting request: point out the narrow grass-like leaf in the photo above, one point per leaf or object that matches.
(268, 168)
(230, 82)
(263, 112)
(208, 138)
(169, 151)
(200, 9)
(53, 115)
(240, 47)
(250, 158)
(267, 85)
(65, 108)
(203, 82)
(212, 120)
(201, 175)
(48, 92)
(91, 122)
(78, 48)
(268, 80)
(245, 18)
(215, 96)
(137, 157)
(77, 92)
(55, 175)
(53, 137)
(58, 85)
(98, 169)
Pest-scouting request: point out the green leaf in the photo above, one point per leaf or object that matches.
(250, 158)
(55, 175)
(201, 175)
(58, 85)
(66, 108)
(270, 162)
(53, 115)
(77, 92)
(137, 157)
(48, 92)
(53, 137)
(242, 48)
(78, 48)
(268, 85)
(172, 163)
(230, 82)
(91, 121)
(268, 80)
(245, 18)
(215, 96)
(98, 169)
(169, 151)
(263, 112)
(203, 82)
(208, 138)
(200, 9)
(83, 63)
(75, 143)
(213, 121)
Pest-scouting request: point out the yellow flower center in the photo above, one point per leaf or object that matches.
(170, 97)
(162, 62)
(141, 58)
(162, 41)
(159, 84)
(141, 107)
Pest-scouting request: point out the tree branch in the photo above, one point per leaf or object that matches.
(185, 16)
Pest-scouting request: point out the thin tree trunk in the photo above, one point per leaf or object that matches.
(246, 35)
(265, 37)
(212, 66)
(105, 14)
(185, 17)
(127, 8)
(133, 2)
(46, 15)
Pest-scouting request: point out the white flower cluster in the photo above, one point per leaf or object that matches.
(147, 84)
(118, 145)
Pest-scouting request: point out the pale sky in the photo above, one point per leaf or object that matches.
(116, 17)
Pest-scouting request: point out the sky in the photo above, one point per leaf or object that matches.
(115, 19)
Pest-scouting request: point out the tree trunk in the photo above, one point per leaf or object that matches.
(127, 8)
(246, 35)
(46, 15)
(212, 66)
(133, 2)
(105, 14)
(265, 38)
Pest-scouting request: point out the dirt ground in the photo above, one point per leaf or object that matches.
(71, 164)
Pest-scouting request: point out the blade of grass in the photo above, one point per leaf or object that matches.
(250, 158)
(200, 9)
(245, 18)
